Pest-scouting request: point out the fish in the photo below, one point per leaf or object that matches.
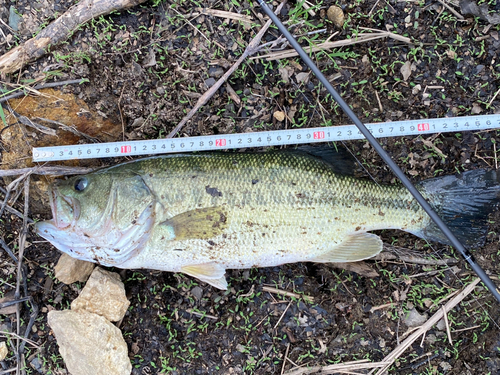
(201, 214)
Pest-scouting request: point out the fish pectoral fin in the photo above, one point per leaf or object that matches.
(211, 273)
(201, 223)
(356, 247)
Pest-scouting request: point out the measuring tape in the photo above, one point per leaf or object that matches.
(265, 138)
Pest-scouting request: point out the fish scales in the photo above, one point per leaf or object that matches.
(207, 213)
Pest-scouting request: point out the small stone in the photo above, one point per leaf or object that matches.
(441, 325)
(3, 350)
(381, 343)
(36, 363)
(197, 292)
(430, 339)
(445, 366)
(414, 319)
(104, 294)
(89, 344)
(69, 270)
(5, 327)
(279, 115)
(215, 71)
(210, 82)
(14, 18)
(336, 15)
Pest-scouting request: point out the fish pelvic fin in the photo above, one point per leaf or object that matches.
(356, 247)
(201, 223)
(463, 202)
(211, 273)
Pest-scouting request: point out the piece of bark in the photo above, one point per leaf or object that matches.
(59, 30)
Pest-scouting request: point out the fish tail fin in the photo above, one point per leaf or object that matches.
(463, 202)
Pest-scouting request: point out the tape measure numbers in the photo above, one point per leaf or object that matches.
(265, 138)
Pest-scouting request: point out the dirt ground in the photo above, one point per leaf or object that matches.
(146, 68)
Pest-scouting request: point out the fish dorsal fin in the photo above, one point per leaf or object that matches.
(356, 247)
(338, 158)
(201, 223)
(211, 273)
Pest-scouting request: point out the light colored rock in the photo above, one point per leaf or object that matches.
(279, 115)
(89, 344)
(104, 294)
(3, 350)
(414, 319)
(441, 325)
(69, 270)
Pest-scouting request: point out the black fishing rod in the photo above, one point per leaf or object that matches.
(387, 159)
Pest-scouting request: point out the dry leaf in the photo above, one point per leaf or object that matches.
(406, 70)
(302, 77)
(476, 109)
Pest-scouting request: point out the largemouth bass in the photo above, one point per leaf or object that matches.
(201, 214)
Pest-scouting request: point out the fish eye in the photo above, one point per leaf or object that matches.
(81, 184)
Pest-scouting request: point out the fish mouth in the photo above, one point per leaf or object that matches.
(65, 210)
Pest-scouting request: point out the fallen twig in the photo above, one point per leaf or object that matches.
(68, 128)
(8, 250)
(59, 30)
(12, 210)
(361, 38)
(202, 315)
(287, 294)
(414, 259)
(41, 86)
(252, 48)
(346, 368)
(13, 302)
(224, 14)
(6, 334)
(46, 171)
(458, 15)
(27, 122)
(12, 186)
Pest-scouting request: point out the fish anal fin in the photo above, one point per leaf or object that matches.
(211, 273)
(201, 223)
(356, 247)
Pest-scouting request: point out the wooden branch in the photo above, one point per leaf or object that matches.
(287, 294)
(46, 171)
(59, 30)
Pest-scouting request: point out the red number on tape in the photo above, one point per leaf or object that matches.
(319, 135)
(423, 127)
